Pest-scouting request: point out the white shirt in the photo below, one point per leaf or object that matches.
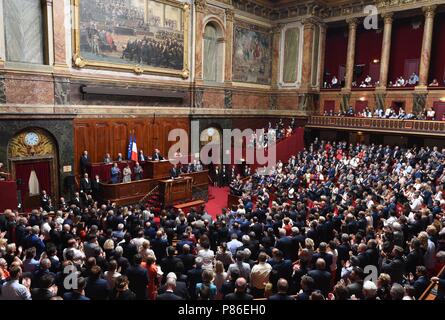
(260, 275)
(13, 290)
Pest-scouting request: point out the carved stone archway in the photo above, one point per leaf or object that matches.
(34, 147)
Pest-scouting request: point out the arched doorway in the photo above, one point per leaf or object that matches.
(33, 159)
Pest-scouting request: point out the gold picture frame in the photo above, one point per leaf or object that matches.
(81, 62)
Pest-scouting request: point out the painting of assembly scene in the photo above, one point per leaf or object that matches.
(132, 32)
(251, 56)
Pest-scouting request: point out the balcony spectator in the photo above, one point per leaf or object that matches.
(434, 83)
(413, 79)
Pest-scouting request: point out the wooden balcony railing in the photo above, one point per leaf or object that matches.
(432, 128)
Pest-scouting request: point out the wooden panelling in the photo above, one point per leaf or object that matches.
(101, 136)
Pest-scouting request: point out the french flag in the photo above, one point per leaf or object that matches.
(130, 147)
(134, 150)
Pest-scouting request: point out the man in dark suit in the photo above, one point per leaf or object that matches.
(281, 268)
(159, 246)
(84, 162)
(138, 278)
(120, 157)
(240, 291)
(44, 199)
(169, 292)
(96, 288)
(141, 156)
(181, 289)
(187, 258)
(194, 277)
(85, 185)
(286, 245)
(322, 278)
(421, 282)
(175, 172)
(95, 186)
(157, 156)
(76, 200)
(282, 289)
(43, 292)
(323, 255)
(107, 158)
(168, 264)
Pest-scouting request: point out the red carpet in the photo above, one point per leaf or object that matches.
(218, 200)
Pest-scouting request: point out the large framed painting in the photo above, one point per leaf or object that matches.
(143, 36)
(252, 54)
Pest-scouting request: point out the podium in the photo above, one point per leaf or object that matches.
(174, 191)
(158, 169)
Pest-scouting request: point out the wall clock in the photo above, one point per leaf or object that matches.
(32, 139)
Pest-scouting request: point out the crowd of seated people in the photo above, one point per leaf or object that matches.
(388, 113)
(368, 82)
(307, 231)
(272, 134)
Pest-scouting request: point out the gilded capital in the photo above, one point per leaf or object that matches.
(429, 11)
(230, 14)
(388, 17)
(352, 22)
(309, 22)
(277, 28)
(200, 5)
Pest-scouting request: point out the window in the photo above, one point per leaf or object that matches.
(23, 28)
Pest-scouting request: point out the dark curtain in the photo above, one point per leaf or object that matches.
(406, 44)
(360, 106)
(43, 172)
(329, 105)
(439, 108)
(336, 52)
(367, 48)
(437, 67)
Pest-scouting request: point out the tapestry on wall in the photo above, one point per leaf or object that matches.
(252, 54)
(145, 35)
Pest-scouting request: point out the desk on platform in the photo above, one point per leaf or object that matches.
(177, 190)
(133, 192)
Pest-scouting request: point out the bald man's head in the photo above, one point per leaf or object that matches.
(282, 286)
(241, 285)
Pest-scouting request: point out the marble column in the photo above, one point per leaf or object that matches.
(48, 32)
(276, 37)
(308, 39)
(350, 58)
(60, 59)
(199, 10)
(426, 45)
(323, 28)
(2, 39)
(386, 49)
(230, 13)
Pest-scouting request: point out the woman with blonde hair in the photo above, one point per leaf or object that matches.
(429, 258)
(219, 279)
(109, 248)
(145, 251)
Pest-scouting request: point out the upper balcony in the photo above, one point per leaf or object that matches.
(418, 127)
